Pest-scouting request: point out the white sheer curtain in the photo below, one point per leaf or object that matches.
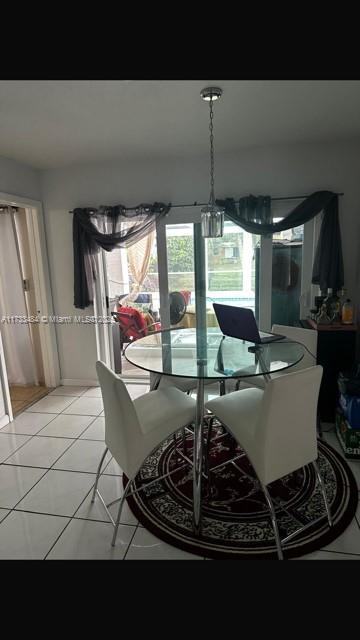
(139, 255)
(16, 338)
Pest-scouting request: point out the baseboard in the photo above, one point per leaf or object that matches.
(79, 382)
(4, 420)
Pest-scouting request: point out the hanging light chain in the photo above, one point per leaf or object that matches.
(211, 127)
(212, 216)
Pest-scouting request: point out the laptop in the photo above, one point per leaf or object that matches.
(238, 322)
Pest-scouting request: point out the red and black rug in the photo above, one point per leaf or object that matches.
(235, 518)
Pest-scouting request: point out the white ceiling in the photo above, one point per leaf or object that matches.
(49, 124)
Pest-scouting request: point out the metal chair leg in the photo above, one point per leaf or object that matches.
(183, 431)
(176, 445)
(318, 425)
(237, 386)
(222, 387)
(208, 445)
(274, 523)
(119, 512)
(98, 474)
(322, 487)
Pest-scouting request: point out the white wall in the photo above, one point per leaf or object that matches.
(283, 170)
(19, 179)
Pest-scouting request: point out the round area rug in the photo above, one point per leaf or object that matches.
(235, 518)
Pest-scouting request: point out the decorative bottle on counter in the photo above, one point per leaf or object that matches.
(322, 317)
(347, 313)
(342, 296)
(333, 308)
(336, 312)
(327, 301)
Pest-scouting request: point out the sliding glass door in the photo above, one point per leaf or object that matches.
(269, 274)
(213, 269)
(230, 267)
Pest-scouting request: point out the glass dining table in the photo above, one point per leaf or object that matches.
(206, 354)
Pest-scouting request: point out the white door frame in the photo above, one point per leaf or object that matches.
(44, 304)
(103, 329)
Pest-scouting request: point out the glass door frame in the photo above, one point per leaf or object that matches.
(189, 215)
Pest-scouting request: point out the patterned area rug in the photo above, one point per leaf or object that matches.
(235, 518)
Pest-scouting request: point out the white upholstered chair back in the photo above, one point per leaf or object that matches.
(307, 337)
(122, 428)
(285, 434)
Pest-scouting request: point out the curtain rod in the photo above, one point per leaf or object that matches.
(203, 204)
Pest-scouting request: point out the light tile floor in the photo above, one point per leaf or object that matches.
(48, 459)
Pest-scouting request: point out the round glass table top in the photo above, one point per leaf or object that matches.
(207, 353)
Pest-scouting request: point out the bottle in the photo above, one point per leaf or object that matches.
(336, 312)
(342, 296)
(347, 313)
(332, 307)
(322, 317)
(327, 302)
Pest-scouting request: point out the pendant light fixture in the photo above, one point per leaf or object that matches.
(212, 216)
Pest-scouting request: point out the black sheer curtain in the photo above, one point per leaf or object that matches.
(254, 215)
(328, 268)
(106, 228)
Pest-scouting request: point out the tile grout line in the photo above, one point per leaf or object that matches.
(91, 473)
(34, 435)
(73, 517)
(72, 414)
(58, 537)
(15, 433)
(69, 405)
(31, 436)
(130, 542)
(342, 553)
(47, 469)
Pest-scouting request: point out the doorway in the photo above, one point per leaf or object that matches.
(29, 366)
(21, 339)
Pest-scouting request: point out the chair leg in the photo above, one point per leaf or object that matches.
(119, 512)
(318, 425)
(222, 387)
(274, 523)
(322, 487)
(183, 431)
(237, 386)
(175, 441)
(208, 445)
(98, 474)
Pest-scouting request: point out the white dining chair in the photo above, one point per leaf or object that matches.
(277, 430)
(134, 429)
(306, 337)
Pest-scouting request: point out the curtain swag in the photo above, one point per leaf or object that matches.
(254, 215)
(106, 228)
(119, 226)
